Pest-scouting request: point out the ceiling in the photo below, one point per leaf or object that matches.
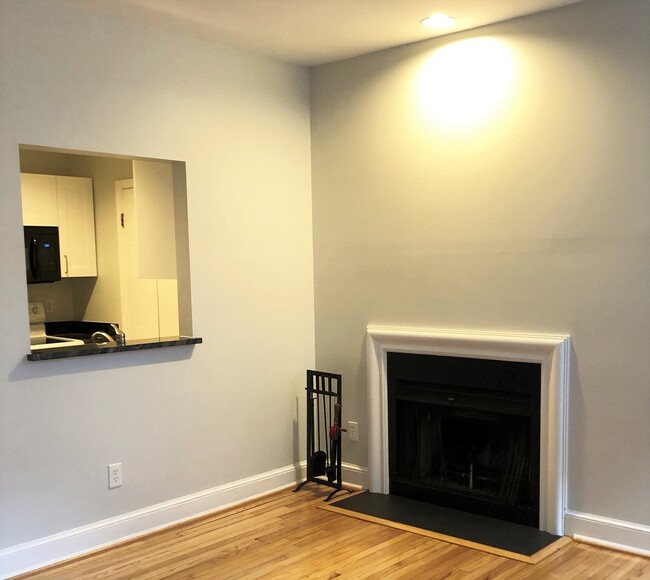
(312, 32)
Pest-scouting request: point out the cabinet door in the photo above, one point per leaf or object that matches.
(76, 226)
(40, 206)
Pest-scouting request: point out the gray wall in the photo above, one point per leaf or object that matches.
(180, 420)
(498, 180)
(534, 218)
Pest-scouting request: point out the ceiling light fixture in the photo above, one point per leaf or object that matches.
(438, 21)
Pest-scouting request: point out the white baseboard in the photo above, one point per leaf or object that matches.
(607, 532)
(70, 543)
(355, 475)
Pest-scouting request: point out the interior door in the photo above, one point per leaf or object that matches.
(139, 295)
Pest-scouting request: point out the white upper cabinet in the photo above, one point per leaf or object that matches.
(66, 202)
(40, 205)
(76, 226)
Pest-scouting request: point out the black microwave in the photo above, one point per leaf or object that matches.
(42, 258)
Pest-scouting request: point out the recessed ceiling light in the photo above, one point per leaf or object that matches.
(438, 21)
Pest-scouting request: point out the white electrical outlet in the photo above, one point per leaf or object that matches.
(353, 431)
(114, 475)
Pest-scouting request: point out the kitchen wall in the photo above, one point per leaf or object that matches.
(181, 420)
(498, 180)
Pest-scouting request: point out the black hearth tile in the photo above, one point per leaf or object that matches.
(507, 536)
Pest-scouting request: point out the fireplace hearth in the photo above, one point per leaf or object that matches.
(464, 433)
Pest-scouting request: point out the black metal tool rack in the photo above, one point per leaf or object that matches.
(324, 431)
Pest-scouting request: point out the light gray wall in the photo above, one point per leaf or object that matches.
(180, 420)
(534, 217)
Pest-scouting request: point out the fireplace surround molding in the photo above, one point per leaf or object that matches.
(550, 351)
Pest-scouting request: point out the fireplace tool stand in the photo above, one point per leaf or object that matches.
(324, 431)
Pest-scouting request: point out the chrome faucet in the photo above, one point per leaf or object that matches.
(120, 337)
(100, 337)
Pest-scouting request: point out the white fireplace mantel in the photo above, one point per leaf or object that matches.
(550, 351)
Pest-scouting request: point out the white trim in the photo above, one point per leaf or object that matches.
(609, 533)
(70, 543)
(550, 351)
(355, 475)
(611, 545)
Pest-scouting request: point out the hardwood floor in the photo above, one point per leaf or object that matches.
(285, 535)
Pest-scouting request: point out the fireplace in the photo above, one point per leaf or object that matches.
(549, 354)
(464, 433)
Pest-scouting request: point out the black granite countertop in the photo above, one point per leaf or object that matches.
(92, 349)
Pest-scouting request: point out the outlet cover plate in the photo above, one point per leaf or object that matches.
(353, 431)
(114, 475)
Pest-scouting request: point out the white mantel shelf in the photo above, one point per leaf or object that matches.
(552, 352)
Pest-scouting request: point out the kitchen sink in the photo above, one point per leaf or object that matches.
(57, 342)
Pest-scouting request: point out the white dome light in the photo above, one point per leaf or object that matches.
(438, 21)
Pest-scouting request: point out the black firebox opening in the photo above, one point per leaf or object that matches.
(464, 433)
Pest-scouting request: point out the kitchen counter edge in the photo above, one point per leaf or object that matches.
(93, 349)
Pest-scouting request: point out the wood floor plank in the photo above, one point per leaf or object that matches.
(286, 535)
(379, 556)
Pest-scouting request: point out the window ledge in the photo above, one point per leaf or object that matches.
(93, 349)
